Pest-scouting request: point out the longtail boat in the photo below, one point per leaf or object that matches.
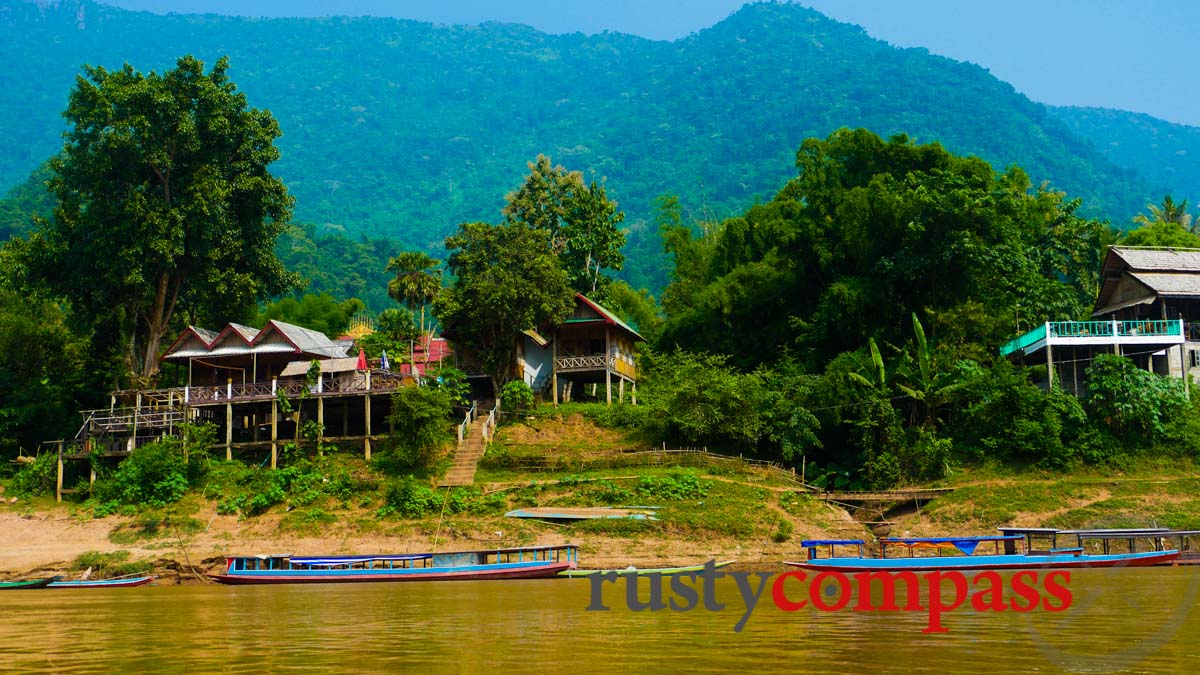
(1150, 538)
(118, 582)
(643, 571)
(20, 584)
(963, 556)
(503, 563)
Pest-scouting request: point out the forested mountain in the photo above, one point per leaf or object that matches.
(404, 129)
(1165, 154)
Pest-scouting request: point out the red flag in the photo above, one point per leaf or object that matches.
(362, 359)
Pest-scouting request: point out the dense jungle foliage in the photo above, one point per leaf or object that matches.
(401, 130)
(849, 323)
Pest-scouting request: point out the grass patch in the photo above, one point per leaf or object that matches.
(154, 526)
(105, 565)
(307, 521)
(996, 505)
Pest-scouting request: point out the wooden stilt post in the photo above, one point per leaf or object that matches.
(274, 433)
(320, 424)
(554, 368)
(621, 390)
(137, 407)
(367, 419)
(1075, 371)
(1049, 367)
(634, 399)
(228, 431)
(1183, 370)
(607, 386)
(59, 481)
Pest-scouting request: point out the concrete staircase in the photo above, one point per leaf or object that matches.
(466, 456)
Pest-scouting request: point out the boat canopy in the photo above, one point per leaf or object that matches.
(351, 559)
(809, 543)
(965, 544)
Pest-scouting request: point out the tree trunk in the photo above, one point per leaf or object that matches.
(166, 294)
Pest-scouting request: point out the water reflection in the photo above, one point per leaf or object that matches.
(1141, 620)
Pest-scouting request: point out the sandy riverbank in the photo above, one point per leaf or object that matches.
(47, 539)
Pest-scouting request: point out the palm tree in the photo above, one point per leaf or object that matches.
(1169, 212)
(417, 281)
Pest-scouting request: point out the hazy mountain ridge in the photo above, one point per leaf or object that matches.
(404, 129)
(1165, 153)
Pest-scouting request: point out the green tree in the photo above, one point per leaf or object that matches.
(320, 312)
(417, 282)
(1165, 234)
(164, 202)
(1134, 404)
(579, 219)
(868, 233)
(506, 280)
(1167, 212)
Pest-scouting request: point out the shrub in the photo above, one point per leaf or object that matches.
(36, 478)
(153, 475)
(421, 416)
(676, 486)
(410, 498)
(517, 396)
(783, 531)
(114, 564)
(1134, 404)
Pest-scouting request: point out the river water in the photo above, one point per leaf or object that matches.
(1128, 620)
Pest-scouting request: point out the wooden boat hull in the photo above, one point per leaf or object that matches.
(634, 571)
(104, 583)
(467, 573)
(26, 584)
(987, 562)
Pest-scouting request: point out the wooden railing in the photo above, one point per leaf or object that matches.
(357, 383)
(590, 362)
(129, 418)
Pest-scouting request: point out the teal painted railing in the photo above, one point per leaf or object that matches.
(1018, 344)
(1085, 329)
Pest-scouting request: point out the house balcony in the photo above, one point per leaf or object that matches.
(594, 362)
(1150, 333)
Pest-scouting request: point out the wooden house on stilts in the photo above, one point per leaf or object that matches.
(1148, 310)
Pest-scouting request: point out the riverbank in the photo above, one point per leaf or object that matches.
(38, 538)
(708, 508)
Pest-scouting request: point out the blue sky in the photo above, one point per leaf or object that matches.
(1132, 55)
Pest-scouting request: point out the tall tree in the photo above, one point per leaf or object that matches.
(506, 280)
(580, 221)
(1168, 212)
(416, 283)
(164, 200)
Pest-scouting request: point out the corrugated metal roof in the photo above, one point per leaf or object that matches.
(1159, 259)
(237, 340)
(248, 334)
(1168, 284)
(608, 316)
(300, 368)
(308, 341)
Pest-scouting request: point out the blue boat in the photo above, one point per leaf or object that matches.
(503, 563)
(118, 582)
(962, 556)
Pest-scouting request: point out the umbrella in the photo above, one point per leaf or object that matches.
(362, 359)
(383, 362)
